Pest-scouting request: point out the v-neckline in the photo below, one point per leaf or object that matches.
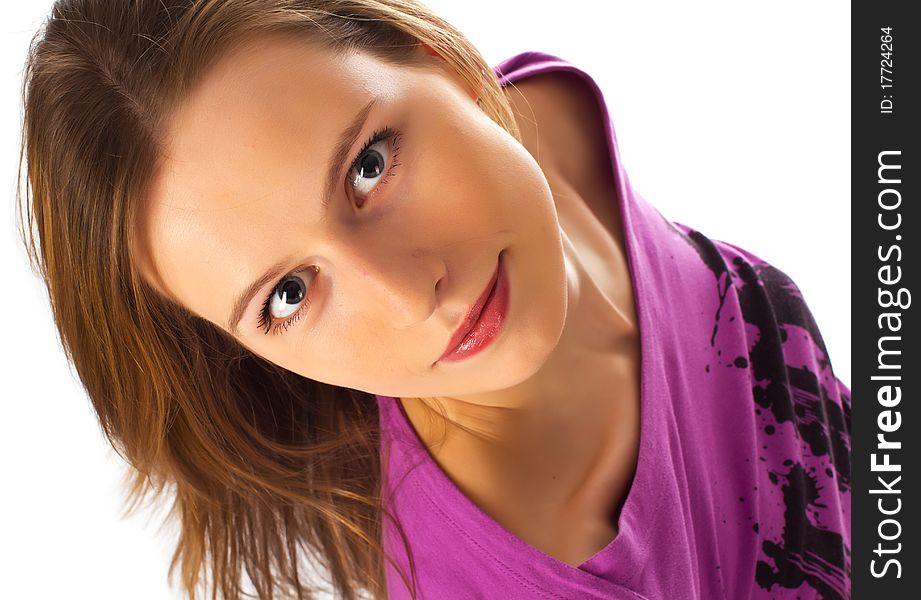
(455, 507)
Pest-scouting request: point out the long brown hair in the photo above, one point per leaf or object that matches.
(261, 464)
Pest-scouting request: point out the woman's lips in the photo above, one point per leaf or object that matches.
(478, 328)
(472, 315)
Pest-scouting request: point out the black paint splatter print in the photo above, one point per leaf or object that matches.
(809, 554)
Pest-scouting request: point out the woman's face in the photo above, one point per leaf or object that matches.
(368, 290)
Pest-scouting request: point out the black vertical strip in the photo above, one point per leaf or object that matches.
(886, 225)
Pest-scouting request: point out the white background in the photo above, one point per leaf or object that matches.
(731, 117)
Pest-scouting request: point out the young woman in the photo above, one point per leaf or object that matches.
(352, 295)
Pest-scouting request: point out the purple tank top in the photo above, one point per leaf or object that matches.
(742, 484)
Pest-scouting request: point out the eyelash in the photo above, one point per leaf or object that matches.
(384, 133)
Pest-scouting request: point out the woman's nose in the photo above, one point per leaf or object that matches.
(401, 284)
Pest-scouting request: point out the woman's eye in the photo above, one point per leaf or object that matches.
(374, 164)
(286, 299)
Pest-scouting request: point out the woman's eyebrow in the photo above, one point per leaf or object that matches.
(340, 153)
(341, 150)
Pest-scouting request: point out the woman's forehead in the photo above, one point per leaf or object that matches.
(269, 83)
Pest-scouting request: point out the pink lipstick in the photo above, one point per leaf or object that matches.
(484, 320)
